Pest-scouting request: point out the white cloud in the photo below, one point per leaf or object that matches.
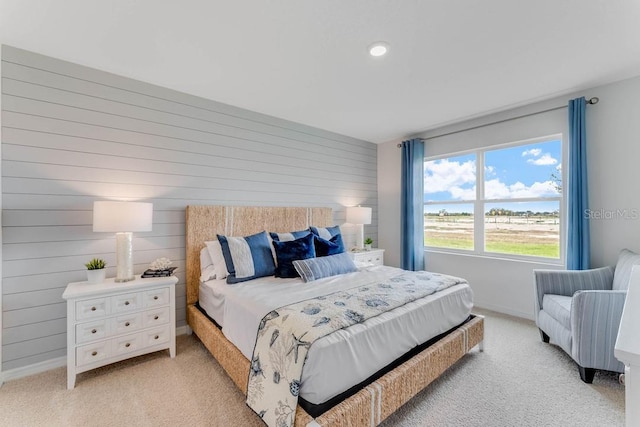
(559, 167)
(489, 171)
(444, 175)
(534, 152)
(545, 160)
(458, 193)
(495, 189)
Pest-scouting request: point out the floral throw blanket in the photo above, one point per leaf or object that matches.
(285, 335)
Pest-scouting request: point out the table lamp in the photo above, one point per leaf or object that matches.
(359, 215)
(123, 218)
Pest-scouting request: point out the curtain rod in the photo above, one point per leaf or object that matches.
(590, 101)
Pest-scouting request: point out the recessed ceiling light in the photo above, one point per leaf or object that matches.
(379, 49)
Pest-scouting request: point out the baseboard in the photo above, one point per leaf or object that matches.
(46, 365)
(505, 310)
(33, 369)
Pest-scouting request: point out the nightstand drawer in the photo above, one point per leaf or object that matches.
(91, 309)
(156, 297)
(86, 332)
(371, 258)
(125, 302)
(127, 323)
(157, 336)
(126, 344)
(159, 316)
(92, 353)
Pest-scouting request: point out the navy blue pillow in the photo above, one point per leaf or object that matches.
(287, 237)
(287, 252)
(329, 247)
(247, 257)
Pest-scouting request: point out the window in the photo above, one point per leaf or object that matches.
(505, 200)
(449, 186)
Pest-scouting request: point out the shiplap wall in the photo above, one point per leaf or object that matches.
(72, 135)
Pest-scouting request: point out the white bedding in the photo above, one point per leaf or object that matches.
(346, 357)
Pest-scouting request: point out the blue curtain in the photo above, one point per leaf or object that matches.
(412, 210)
(578, 196)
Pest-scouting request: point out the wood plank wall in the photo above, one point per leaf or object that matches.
(72, 135)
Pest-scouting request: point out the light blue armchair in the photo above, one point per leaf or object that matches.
(580, 311)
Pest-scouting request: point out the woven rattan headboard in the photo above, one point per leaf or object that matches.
(204, 222)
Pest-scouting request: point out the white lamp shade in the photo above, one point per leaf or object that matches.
(358, 215)
(111, 216)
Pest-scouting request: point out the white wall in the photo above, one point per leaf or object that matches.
(72, 135)
(613, 130)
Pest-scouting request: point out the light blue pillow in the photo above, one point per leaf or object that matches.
(316, 268)
(288, 237)
(247, 257)
(325, 232)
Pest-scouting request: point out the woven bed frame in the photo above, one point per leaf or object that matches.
(375, 402)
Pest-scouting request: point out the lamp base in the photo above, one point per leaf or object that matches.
(124, 257)
(360, 237)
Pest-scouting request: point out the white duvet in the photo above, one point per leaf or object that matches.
(346, 357)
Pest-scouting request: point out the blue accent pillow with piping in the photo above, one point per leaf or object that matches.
(247, 257)
(287, 252)
(333, 246)
(325, 232)
(287, 237)
(316, 268)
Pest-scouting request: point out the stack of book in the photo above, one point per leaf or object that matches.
(159, 273)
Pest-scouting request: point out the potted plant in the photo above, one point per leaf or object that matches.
(367, 243)
(96, 271)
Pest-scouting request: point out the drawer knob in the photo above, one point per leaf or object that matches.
(155, 317)
(93, 308)
(126, 303)
(94, 353)
(127, 324)
(156, 337)
(127, 345)
(93, 331)
(155, 297)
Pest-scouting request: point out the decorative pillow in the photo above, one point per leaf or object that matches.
(247, 257)
(207, 270)
(219, 265)
(325, 232)
(317, 268)
(333, 246)
(287, 252)
(287, 237)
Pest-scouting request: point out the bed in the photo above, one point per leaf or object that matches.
(367, 397)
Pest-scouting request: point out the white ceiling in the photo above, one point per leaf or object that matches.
(306, 60)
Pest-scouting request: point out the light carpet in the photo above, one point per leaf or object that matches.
(516, 381)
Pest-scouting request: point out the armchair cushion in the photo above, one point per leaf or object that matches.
(626, 261)
(558, 307)
(595, 319)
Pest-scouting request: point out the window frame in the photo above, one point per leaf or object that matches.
(480, 202)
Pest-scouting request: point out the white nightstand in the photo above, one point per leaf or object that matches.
(108, 322)
(374, 256)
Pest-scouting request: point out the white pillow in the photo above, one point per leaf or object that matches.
(207, 270)
(215, 252)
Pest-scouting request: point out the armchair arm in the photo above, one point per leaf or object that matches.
(568, 282)
(595, 319)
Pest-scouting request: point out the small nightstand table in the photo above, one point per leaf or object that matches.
(374, 256)
(108, 322)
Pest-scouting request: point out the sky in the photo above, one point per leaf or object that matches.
(509, 173)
